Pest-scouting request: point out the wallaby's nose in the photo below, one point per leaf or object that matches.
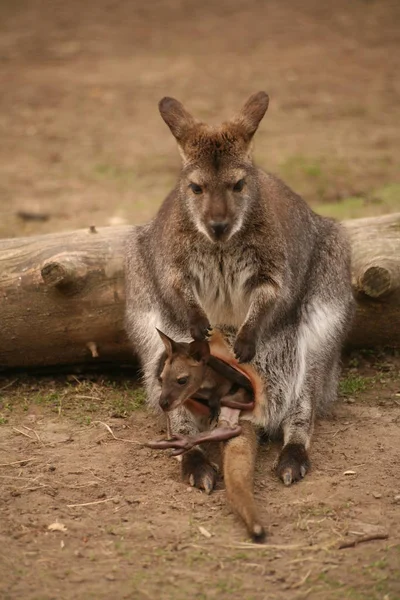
(219, 228)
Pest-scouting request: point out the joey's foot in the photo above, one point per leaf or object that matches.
(293, 463)
(198, 470)
(199, 326)
(245, 347)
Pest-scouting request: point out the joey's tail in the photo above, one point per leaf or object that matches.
(238, 464)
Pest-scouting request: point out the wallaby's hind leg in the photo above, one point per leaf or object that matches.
(197, 469)
(293, 462)
(239, 456)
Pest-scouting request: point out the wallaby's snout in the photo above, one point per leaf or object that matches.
(218, 228)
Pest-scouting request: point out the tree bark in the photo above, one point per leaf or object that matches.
(376, 280)
(62, 295)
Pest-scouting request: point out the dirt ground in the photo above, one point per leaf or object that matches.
(127, 527)
(82, 143)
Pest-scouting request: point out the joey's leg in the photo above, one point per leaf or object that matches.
(240, 400)
(293, 462)
(182, 444)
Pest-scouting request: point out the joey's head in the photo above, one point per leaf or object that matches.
(217, 182)
(183, 371)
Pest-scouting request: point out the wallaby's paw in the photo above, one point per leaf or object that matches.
(198, 471)
(199, 326)
(245, 347)
(293, 463)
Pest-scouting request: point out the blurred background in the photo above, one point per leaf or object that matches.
(82, 141)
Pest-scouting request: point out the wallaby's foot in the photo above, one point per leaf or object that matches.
(245, 346)
(199, 326)
(198, 470)
(293, 463)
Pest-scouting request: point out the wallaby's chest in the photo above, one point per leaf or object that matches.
(219, 283)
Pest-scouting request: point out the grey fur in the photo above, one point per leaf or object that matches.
(279, 280)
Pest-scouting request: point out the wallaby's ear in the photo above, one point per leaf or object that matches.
(251, 114)
(170, 345)
(176, 117)
(199, 351)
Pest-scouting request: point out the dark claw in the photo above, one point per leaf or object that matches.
(293, 463)
(198, 471)
(244, 348)
(200, 328)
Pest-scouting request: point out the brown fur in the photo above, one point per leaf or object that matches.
(239, 453)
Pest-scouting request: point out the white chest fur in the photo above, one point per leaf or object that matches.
(220, 288)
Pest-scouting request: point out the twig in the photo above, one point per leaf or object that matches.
(118, 438)
(302, 581)
(366, 538)
(35, 432)
(17, 462)
(92, 503)
(23, 433)
(8, 385)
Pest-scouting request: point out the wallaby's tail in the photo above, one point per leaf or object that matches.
(238, 463)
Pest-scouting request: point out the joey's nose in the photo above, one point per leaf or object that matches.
(164, 402)
(219, 228)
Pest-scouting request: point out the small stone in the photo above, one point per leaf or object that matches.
(110, 577)
(350, 400)
(397, 499)
(376, 495)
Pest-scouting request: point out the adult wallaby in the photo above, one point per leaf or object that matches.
(233, 246)
(189, 374)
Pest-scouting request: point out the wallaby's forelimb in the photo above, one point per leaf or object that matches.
(264, 300)
(199, 325)
(239, 456)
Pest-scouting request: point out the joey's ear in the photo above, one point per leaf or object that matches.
(251, 114)
(176, 117)
(170, 345)
(199, 351)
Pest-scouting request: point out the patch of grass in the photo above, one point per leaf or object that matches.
(352, 385)
(80, 399)
(380, 201)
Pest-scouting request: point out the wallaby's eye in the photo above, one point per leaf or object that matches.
(182, 380)
(239, 185)
(196, 189)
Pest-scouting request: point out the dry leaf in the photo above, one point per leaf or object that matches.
(349, 473)
(204, 532)
(57, 527)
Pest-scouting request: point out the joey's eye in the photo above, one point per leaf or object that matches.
(182, 380)
(196, 189)
(239, 185)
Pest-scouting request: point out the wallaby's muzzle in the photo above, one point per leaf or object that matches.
(219, 230)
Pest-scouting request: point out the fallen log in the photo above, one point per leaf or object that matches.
(62, 295)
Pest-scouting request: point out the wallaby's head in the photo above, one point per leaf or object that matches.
(217, 182)
(183, 371)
